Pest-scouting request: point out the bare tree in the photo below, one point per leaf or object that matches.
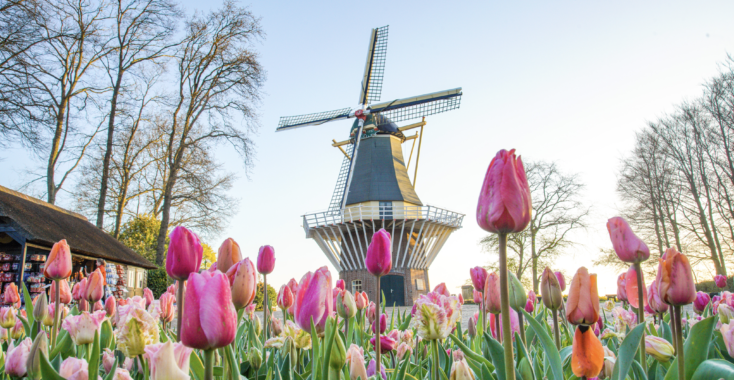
(219, 77)
(557, 211)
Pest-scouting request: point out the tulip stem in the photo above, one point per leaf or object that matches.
(521, 319)
(208, 364)
(266, 308)
(641, 314)
(434, 348)
(556, 330)
(378, 327)
(497, 327)
(505, 306)
(179, 309)
(57, 301)
(679, 343)
(484, 318)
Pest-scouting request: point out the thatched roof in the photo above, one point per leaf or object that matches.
(44, 224)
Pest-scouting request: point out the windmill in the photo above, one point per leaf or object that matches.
(373, 189)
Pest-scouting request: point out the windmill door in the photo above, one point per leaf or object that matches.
(393, 287)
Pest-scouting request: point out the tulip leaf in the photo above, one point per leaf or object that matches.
(26, 325)
(626, 353)
(406, 323)
(471, 354)
(196, 366)
(639, 372)
(105, 338)
(94, 359)
(28, 305)
(667, 332)
(497, 352)
(218, 371)
(549, 347)
(47, 371)
(719, 340)
(714, 369)
(111, 375)
(696, 348)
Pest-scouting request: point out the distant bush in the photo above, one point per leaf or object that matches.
(272, 297)
(157, 281)
(603, 298)
(710, 286)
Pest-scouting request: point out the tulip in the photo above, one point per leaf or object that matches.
(360, 299)
(255, 358)
(79, 290)
(561, 280)
(250, 311)
(403, 349)
(388, 342)
(148, 296)
(478, 277)
(98, 306)
(372, 313)
(676, 285)
(631, 288)
(122, 374)
(727, 330)
(654, 301)
(504, 203)
(372, 370)
(492, 293)
(73, 368)
(460, 371)
(622, 287)
(583, 300)
(229, 254)
(659, 348)
(379, 254)
(83, 326)
(95, 286)
(243, 280)
(725, 312)
(472, 328)
(17, 331)
(293, 285)
(7, 317)
(58, 264)
(609, 305)
(210, 318)
(355, 358)
(477, 296)
(383, 324)
(627, 245)
(49, 320)
(65, 295)
(529, 306)
(518, 297)
(702, 300)
(40, 307)
(184, 254)
(137, 329)
(609, 360)
(108, 360)
(167, 308)
(11, 295)
(587, 358)
(314, 301)
(514, 325)
(720, 281)
(276, 326)
(168, 361)
(442, 289)
(345, 305)
(33, 364)
(550, 289)
(285, 298)
(17, 358)
(266, 259)
(435, 315)
(110, 305)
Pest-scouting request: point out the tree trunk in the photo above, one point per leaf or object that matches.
(54, 154)
(165, 218)
(108, 152)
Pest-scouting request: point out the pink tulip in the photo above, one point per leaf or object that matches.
(167, 308)
(17, 331)
(478, 277)
(243, 280)
(403, 349)
(582, 307)
(388, 342)
(720, 281)
(622, 287)
(340, 284)
(123, 302)
(529, 306)
(110, 305)
(702, 300)
(229, 254)
(461, 299)
(250, 311)
(442, 289)
(371, 312)
(285, 297)
(73, 368)
(676, 284)
(379, 254)
(727, 330)
(58, 264)
(477, 297)
(95, 286)
(82, 327)
(504, 203)
(561, 280)
(355, 360)
(360, 300)
(627, 245)
(514, 325)
(11, 295)
(64, 294)
(266, 259)
(98, 306)
(168, 361)
(313, 300)
(654, 302)
(108, 360)
(293, 285)
(17, 358)
(209, 317)
(148, 296)
(49, 320)
(631, 288)
(383, 323)
(83, 304)
(79, 290)
(492, 293)
(184, 254)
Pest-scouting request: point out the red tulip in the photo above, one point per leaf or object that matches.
(504, 203)
(492, 294)
(58, 264)
(720, 281)
(110, 306)
(65, 295)
(587, 358)
(561, 280)
(379, 254)
(95, 286)
(631, 288)
(627, 245)
(442, 289)
(285, 297)
(314, 300)
(148, 295)
(243, 280)
(478, 277)
(184, 254)
(266, 259)
(209, 318)
(676, 285)
(622, 287)
(229, 254)
(583, 299)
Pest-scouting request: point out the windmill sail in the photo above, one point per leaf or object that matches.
(341, 182)
(374, 68)
(291, 122)
(419, 106)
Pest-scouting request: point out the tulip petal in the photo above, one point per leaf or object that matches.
(216, 303)
(587, 359)
(631, 288)
(192, 334)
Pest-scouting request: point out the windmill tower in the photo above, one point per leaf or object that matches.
(374, 190)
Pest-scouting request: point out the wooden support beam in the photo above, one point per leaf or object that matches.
(411, 126)
(342, 149)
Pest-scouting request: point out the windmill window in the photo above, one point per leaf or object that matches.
(386, 210)
(356, 286)
(419, 284)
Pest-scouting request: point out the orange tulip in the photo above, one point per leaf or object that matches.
(676, 284)
(631, 289)
(64, 292)
(582, 307)
(95, 286)
(58, 265)
(587, 358)
(11, 294)
(229, 254)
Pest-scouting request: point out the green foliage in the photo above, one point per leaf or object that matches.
(272, 296)
(141, 235)
(157, 281)
(209, 256)
(710, 286)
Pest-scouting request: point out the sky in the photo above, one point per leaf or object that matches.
(569, 82)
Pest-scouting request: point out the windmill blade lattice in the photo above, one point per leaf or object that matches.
(290, 122)
(374, 69)
(419, 106)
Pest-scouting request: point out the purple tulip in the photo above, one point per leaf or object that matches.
(702, 300)
(720, 281)
(478, 277)
(372, 369)
(184, 254)
(383, 323)
(314, 300)
(266, 259)
(379, 254)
